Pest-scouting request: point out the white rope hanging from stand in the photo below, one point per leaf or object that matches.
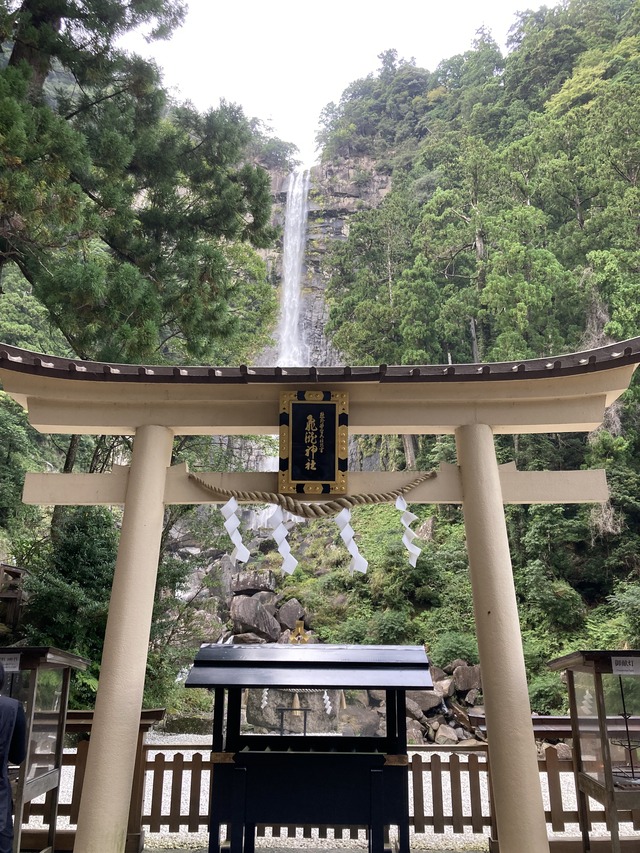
(407, 539)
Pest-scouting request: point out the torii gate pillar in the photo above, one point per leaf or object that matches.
(104, 808)
(520, 814)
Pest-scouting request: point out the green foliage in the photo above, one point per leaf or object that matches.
(68, 590)
(451, 645)
(21, 449)
(269, 151)
(547, 694)
(625, 601)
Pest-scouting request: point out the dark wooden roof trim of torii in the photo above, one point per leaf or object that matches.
(602, 358)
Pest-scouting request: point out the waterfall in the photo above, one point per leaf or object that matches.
(292, 350)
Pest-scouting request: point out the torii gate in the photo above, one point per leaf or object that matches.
(474, 401)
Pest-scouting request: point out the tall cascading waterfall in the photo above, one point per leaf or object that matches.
(292, 350)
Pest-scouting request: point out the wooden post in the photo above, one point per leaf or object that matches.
(106, 796)
(517, 800)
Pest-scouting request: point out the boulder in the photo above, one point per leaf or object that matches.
(414, 711)
(466, 678)
(250, 615)
(248, 583)
(471, 742)
(290, 613)
(446, 736)
(450, 667)
(415, 735)
(472, 696)
(209, 625)
(562, 749)
(248, 639)
(358, 697)
(268, 599)
(426, 700)
(437, 674)
(364, 722)
(463, 734)
(445, 687)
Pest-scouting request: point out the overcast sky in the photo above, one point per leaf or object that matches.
(283, 61)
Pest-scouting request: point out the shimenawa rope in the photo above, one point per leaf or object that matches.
(313, 510)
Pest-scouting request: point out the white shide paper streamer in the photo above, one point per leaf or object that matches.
(280, 533)
(232, 523)
(358, 562)
(407, 539)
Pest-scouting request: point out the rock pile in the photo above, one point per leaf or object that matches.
(440, 716)
(258, 613)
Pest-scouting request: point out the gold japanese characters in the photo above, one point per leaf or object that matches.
(314, 436)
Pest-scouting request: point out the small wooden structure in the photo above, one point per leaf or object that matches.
(604, 702)
(308, 778)
(40, 678)
(79, 725)
(11, 578)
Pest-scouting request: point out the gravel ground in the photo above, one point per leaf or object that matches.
(448, 843)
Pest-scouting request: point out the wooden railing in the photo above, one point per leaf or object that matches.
(449, 791)
(440, 786)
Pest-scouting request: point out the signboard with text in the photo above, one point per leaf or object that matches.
(625, 664)
(313, 442)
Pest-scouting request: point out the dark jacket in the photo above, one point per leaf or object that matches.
(13, 748)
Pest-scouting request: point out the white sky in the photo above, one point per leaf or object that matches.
(283, 61)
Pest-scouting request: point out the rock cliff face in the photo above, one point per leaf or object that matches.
(338, 190)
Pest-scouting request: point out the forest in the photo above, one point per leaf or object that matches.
(133, 228)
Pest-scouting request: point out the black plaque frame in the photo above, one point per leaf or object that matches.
(314, 433)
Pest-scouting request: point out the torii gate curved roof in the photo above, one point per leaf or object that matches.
(556, 394)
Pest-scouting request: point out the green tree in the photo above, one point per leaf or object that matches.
(117, 206)
(545, 47)
(68, 588)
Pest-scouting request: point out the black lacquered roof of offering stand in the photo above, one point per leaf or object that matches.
(275, 665)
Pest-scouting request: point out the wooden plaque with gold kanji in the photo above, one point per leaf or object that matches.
(313, 442)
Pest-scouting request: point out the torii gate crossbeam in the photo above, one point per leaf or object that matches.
(472, 402)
